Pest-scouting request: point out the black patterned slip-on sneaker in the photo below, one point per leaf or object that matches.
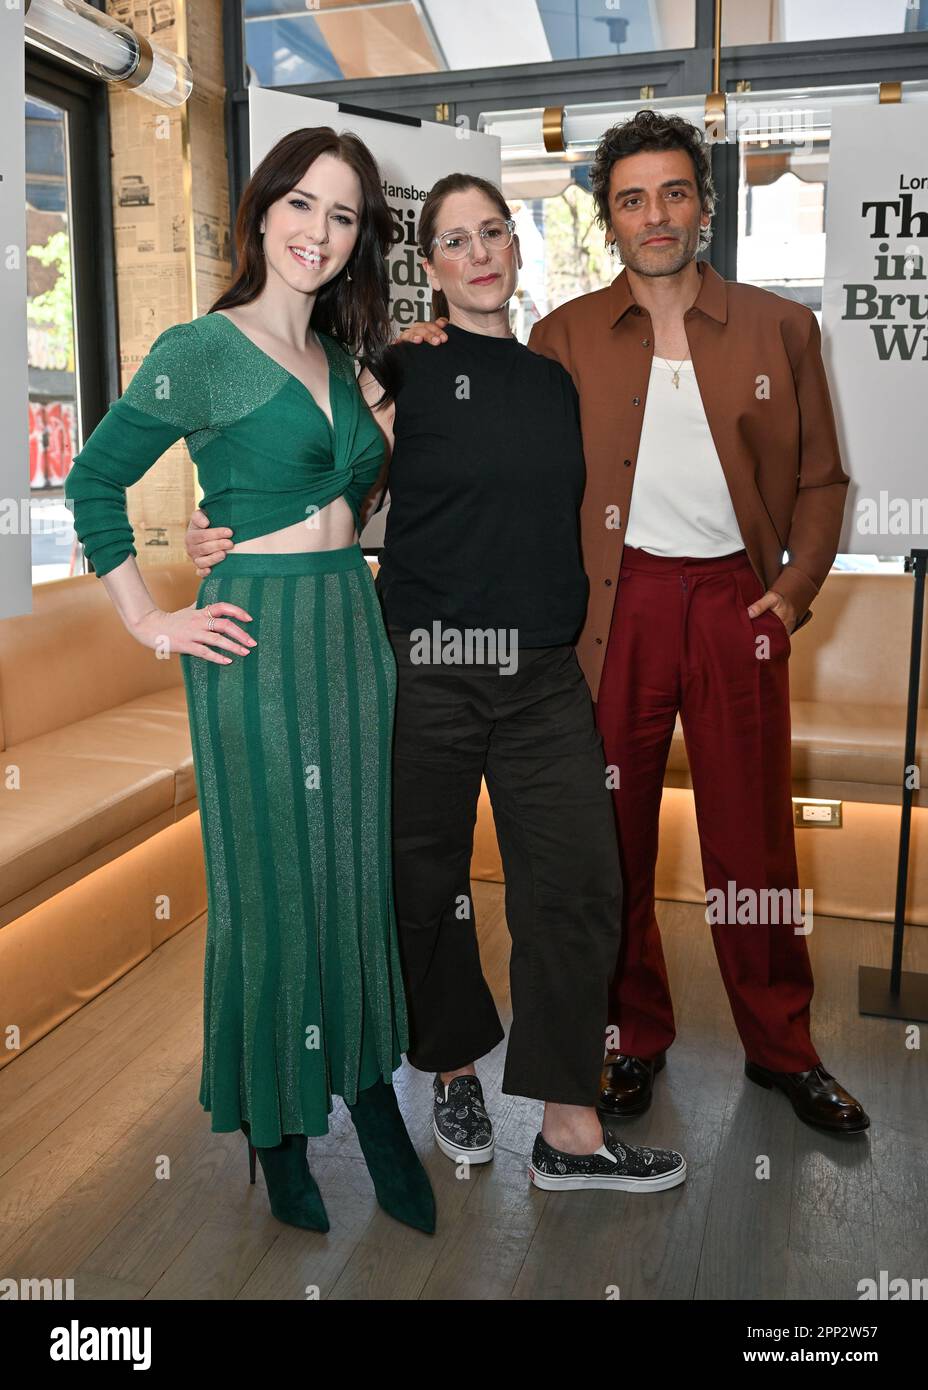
(462, 1127)
(618, 1165)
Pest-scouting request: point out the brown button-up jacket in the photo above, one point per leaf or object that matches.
(758, 364)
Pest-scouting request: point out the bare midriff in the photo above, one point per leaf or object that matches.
(331, 528)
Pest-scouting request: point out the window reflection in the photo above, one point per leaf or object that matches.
(781, 216)
(53, 423)
(563, 251)
(286, 45)
(797, 21)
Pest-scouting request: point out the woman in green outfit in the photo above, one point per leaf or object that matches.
(303, 995)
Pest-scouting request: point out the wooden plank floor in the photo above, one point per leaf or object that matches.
(110, 1175)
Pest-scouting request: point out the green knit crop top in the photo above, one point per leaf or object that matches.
(265, 452)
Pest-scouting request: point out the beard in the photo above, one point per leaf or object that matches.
(661, 260)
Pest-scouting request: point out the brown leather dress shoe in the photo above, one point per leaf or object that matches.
(626, 1084)
(817, 1098)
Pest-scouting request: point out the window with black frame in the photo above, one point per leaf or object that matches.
(50, 336)
(70, 308)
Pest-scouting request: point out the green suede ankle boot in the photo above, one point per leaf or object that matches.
(294, 1195)
(400, 1181)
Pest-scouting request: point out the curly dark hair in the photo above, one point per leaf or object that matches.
(650, 130)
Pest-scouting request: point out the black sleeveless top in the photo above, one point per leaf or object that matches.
(485, 485)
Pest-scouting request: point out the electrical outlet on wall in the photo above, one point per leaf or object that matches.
(811, 811)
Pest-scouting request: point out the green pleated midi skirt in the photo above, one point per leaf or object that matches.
(303, 995)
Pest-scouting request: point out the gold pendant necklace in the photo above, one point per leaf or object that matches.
(676, 370)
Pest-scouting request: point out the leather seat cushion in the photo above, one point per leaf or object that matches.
(839, 743)
(84, 786)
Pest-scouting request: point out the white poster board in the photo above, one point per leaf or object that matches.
(875, 321)
(411, 157)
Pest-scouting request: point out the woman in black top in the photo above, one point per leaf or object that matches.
(484, 593)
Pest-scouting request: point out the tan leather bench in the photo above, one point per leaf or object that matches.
(100, 857)
(848, 688)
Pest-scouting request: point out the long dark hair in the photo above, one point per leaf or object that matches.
(386, 365)
(354, 312)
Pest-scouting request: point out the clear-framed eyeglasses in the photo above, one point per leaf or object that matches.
(495, 234)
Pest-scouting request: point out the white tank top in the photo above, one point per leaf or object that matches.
(680, 501)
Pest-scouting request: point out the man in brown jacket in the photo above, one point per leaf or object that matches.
(711, 517)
